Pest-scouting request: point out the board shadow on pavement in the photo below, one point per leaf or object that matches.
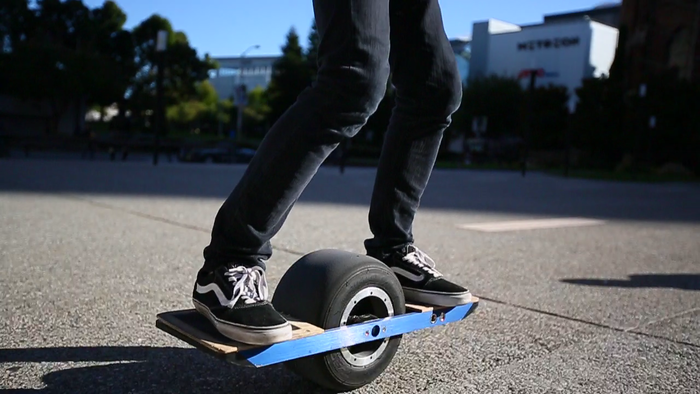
(147, 369)
(671, 281)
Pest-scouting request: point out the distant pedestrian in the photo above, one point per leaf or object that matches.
(89, 149)
(344, 153)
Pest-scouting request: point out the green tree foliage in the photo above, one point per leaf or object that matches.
(185, 113)
(549, 117)
(295, 71)
(16, 24)
(314, 41)
(255, 114)
(499, 99)
(611, 123)
(203, 111)
(204, 104)
(290, 76)
(183, 69)
(513, 113)
(676, 137)
(597, 125)
(63, 53)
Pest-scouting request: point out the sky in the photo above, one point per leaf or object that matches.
(229, 27)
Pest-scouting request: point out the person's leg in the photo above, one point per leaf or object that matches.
(351, 81)
(428, 92)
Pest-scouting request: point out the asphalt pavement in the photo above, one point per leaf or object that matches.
(91, 251)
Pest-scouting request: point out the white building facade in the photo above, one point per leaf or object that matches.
(250, 71)
(462, 49)
(564, 52)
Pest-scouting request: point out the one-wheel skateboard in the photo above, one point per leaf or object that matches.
(348, 316)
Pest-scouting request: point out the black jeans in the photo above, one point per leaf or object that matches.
(361, 42)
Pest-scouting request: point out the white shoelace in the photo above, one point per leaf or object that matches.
(250, 284)
(422, 261)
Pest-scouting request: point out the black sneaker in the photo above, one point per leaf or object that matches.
(421, 282)
(234, 299)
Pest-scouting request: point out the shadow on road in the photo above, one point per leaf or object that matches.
(672, 281)
(149, 369)
(475, 191)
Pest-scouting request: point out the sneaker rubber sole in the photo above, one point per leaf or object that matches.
(247, 335)
(436, 298)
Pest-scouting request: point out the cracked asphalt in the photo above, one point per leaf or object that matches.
(90, 252)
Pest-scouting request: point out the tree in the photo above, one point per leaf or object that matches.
(549, 117)
(597, 124)
(117, 47)
(312, 50)
(203, 111)
(183, 69)
(257, 111)
(499, 99)
(16, 24)
(204, 104)
(506, 105)
(47, 49)
(290, 76)
(675, 137)
(60, 53)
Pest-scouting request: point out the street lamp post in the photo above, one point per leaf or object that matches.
(161, 44)
(240, 100)
(567, 136)
(533, 73)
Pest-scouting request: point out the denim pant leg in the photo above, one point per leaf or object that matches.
(428, 92)
(351, 81)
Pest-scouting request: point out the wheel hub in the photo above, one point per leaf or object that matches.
(368, 304)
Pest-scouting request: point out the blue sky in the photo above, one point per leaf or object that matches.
(228, 27)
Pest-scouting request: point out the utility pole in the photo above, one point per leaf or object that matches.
(239, 97)
(530, 108)
(567, 138)
(161, 44)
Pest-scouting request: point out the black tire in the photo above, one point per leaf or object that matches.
(317, 289)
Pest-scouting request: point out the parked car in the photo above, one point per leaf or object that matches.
(223, 152)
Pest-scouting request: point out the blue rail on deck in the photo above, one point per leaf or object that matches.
(346, 336)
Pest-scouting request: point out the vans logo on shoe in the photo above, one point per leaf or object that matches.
(407, 274)
(217, 290)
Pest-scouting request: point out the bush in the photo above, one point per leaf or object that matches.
(611, 124)
(510, 111)
(597, 125)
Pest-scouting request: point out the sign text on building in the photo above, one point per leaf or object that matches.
(548, 43)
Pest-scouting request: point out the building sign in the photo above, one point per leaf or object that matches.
(549, 43)
(539, 71)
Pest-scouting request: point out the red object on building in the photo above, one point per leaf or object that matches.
(527, 72)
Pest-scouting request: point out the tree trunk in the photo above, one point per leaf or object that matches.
(57, 110)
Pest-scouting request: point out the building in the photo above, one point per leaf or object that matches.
(253, 71)
(565, 48)
(659, 36)
(608, 14)
(462, 49)
(257, 71)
